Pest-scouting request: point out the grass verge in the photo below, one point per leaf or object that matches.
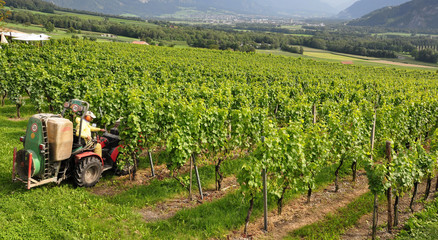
(423, 225)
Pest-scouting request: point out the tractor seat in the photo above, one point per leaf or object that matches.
(76, 145)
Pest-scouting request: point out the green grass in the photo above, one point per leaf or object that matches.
(423, 225)
(404, 34)
(191, 13)
(48, 212)
(111, 19)
(292, 27)
(26, 28)
(334, 225)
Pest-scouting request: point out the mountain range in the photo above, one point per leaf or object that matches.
(362, 7)
(416, 14)
(151, 8)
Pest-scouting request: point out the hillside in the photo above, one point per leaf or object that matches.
(150, 8)
(419, 14)
(362, 7)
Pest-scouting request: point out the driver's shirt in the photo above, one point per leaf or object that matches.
(86, 128)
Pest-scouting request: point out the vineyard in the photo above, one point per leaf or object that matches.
(292, 118)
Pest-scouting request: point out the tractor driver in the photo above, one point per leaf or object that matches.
(87, 129)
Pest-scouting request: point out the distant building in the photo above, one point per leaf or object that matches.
(19, 36)
(108, 35)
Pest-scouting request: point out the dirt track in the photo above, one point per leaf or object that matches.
(297, 213)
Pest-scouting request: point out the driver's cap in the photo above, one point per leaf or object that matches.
(90, 113)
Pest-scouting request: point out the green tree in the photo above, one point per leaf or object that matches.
(427, 55)
(49, 26)
(3, 14)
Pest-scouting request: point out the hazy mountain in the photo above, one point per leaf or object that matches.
(414, 14)
(339, 5)
(147, 8)
(362, 7)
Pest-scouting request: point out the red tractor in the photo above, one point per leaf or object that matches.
(53, 152)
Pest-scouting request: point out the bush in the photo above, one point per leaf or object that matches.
(292, 49)
(49, 26)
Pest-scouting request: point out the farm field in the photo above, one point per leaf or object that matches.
(324, 55)
(404, 34)
(308, 123)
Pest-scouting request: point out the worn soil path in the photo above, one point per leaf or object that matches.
(362, 230)
(297, 213)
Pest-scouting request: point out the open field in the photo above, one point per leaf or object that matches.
(404, 34)
(324, 55)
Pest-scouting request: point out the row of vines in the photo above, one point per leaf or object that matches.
(295, 117)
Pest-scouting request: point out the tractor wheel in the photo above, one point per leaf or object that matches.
(88, 172)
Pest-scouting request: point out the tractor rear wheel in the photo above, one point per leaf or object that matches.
(88, 172)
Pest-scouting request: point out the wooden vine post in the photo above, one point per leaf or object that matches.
(191, 177)
(389, 191)
(436, 186)
(265, 196)
(152, 164)
(309, 191)
(197, 176)
(265, 201)
(376, 206)
(396, 210)
(375, 215)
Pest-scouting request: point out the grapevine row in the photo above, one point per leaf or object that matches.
(190, 101)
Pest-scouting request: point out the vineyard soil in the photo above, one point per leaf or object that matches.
(168, 208)
(362, 229)
(123, 183)
(297, 213)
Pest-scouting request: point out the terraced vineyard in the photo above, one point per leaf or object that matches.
(294, 117)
